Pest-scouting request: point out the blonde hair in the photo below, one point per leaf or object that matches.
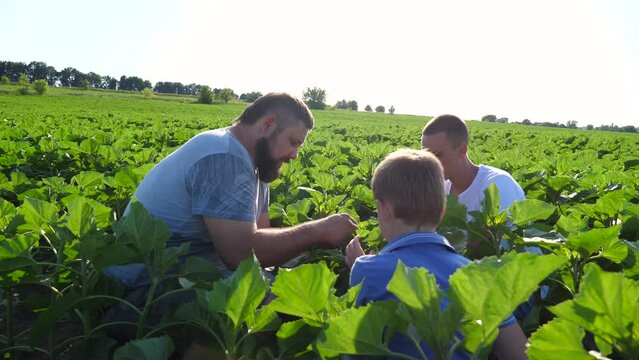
(412, 182)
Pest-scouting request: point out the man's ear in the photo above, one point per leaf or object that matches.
(268, 125)
(463, 149)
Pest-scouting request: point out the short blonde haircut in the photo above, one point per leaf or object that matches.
(412, 182)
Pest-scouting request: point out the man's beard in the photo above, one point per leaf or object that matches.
(268, 168)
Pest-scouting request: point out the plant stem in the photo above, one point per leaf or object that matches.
(147, 308)
(9, 293)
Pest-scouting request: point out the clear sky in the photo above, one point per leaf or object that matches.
(545, 60)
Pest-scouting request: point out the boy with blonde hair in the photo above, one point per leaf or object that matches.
(408, 186)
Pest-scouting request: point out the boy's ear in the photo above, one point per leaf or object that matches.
(384, 209)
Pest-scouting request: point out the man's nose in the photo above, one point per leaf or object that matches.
(293, 154)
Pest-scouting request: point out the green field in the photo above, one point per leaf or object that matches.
(71, 159)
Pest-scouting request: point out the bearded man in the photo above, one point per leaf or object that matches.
(212, 192)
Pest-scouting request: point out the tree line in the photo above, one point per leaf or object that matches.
(315, 98)
(11, 71)
(570, 124)
(38, 71)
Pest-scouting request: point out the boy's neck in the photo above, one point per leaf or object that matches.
(397, 228)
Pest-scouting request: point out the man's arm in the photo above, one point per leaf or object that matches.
(263, 221)
(234, 239)
(510, 343)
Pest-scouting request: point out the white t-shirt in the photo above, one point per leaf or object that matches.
(509, 190)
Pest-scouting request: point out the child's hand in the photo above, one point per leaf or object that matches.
(353, 251)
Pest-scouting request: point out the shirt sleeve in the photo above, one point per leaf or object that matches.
(223, 186)
(369, 272)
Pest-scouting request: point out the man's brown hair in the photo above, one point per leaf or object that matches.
(287, 109)
(455, 128)
(412, 182)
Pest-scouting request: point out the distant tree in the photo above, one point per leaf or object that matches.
(84, 84)
(526, 122)
(147, 92)
(52, 76)
(13, 69)
(251, 97)
(226, 95)
(67, 76)
(341, 104)
(315, 98)
(629, 128)
(503, 120)
(391, 110)
(113, 84)
(41, 86)
(4, 79)
(94, 79)
(489, 118)
(589, 127)
(23, 84)
(571, 124)
(133, 83)
(37, 70)
(192, 89)
(380, 109)
(368, 108)
(352, 105)
(206, 95)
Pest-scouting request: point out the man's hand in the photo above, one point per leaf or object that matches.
(353, 251)
(335, 229)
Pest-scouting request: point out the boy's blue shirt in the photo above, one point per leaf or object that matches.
(418, 249)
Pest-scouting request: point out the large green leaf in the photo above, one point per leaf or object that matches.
(239, 295)
(612, 203)
(527, 210)
(80, 220)
(88, 179)
(145, 232)
(17, 246)
(294, 338)
(605, 240)
(419, 293)
(358, 331)
(38, 214)
(159, 348)
(7, 211)
(558, 340)
(606, 306)
(490, 203)
(303, 291)
(570, 224)
(126, 178)
(490, 290)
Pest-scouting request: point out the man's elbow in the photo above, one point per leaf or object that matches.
(233, 259)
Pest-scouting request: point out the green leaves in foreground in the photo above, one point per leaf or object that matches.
(239, 295)
(607, 307)
(142, 230)
(159, 348)
(421, 302)
(358, 331)
(303, 291)
(558, 340)
(490, 290)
